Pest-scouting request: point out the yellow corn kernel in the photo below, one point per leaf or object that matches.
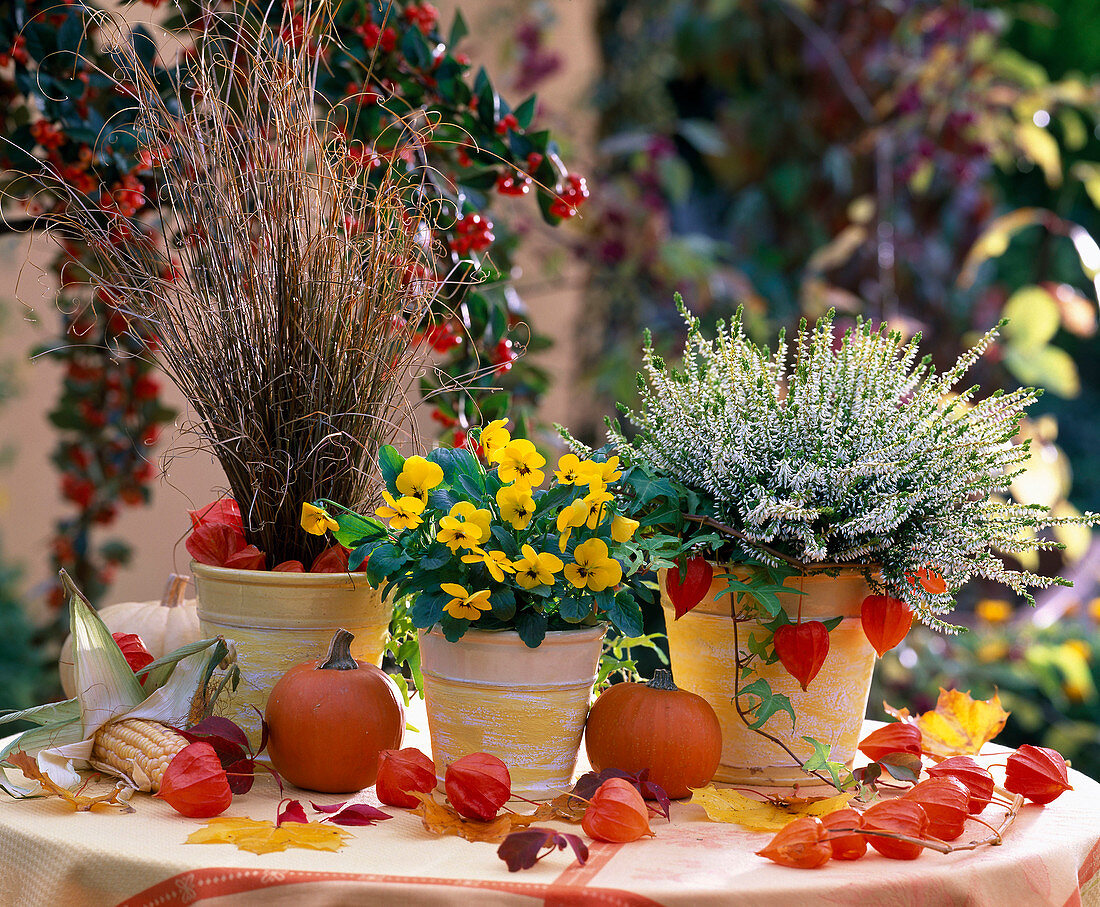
(136, 749)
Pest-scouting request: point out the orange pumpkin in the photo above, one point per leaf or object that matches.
(329, 719)
(656, 726)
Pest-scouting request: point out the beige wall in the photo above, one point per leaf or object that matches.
(29, 498)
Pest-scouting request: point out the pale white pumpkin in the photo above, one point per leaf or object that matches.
(163, 625)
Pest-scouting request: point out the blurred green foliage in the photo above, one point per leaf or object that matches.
(1047, 678)
(902, 160)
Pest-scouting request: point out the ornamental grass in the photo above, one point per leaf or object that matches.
(284, 280)
(846, 450)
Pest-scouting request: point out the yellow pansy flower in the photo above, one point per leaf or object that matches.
(604, 472)
(316, 521)
(993, 610)
(456, 533)
(493, 437)
(496, 562)
(418, 477)
(464, 510)
(569, 469)
(593, 568)
(623, 529)
(595, 501)
(536, 568)
(465, 605)
(404, 513)
(518, 461)
(517, 505)
(571, 517)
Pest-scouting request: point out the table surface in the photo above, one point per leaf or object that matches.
(50, 855)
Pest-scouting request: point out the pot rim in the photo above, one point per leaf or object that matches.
(509, 636)
(274, 578)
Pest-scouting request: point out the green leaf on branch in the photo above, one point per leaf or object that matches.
(768, 704)
(820, 761)
(356, 530)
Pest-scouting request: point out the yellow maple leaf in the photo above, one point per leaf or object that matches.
(958, 726)
(441, 819)
(261, 836)
(763, 815)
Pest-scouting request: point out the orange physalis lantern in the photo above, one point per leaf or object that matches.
(1038, 773)
(974, 777)
(803, 844)
(885, 621)
(899, 737)
(946, 801)
(616, 813)
(895, 817)
(802, 649)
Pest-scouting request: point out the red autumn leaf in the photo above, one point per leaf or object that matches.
(402, 772)
(930, 580)
(843, 835)
(289, 567)
(1038, 773)
(133, 649)
(523, 849)
(895, 817)
(901, 766)
(292, 812)
(333, 559)
(974, 777)
(946, 802)
(214, 543)
(802, 649)
(248, 558)
(195, 784)
(588, 783)
(616, 813)
(231, 745)
(224, 511)
(885, 621)
(353, 814)
(477, 785)
(803, 844)
(686, 586)
(899, 737)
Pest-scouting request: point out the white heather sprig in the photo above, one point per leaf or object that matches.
(849, 453)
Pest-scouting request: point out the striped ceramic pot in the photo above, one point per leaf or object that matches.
(278, 620)
(831, 709)
(490, 693)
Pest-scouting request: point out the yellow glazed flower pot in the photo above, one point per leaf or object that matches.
(278, 620)
(489, 693)
(830, 710)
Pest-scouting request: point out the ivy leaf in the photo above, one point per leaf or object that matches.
(820, 760)
(523, 849)
(769, 703)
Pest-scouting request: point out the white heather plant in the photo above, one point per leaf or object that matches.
(855, 452)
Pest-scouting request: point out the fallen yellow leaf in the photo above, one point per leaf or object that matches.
(441, 819)
(958, 725)
(763, 815)
(261, 836)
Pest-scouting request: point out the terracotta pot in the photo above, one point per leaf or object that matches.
(830, 710)
(278, 620)
(489, 693)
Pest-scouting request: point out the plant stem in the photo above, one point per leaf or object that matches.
(738, 534)
(738, 664)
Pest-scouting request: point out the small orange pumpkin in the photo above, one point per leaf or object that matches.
(656, 726)
(328, 720)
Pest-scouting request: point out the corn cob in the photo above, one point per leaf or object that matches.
(136, 749)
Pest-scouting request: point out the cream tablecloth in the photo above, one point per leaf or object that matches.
(51, 856)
